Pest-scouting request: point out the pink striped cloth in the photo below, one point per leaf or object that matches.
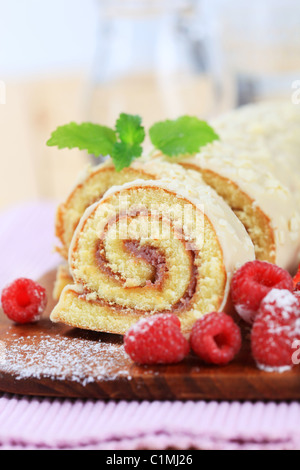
(26, 241)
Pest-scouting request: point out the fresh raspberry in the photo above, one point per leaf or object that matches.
(252, 282)
(23, 301)
(156, 340)
(276, 327)
(216, 338)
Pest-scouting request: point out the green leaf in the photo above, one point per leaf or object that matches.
(97, 140)
(183, 136)
(123, 154)
(130, 129)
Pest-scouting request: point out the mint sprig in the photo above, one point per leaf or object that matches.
(184, 136)
(123, 143)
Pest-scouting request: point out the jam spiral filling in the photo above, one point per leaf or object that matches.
(154, 257)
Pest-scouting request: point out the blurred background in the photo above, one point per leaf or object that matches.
(77, 60)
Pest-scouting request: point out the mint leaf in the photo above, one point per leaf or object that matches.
(130, 129)
(123, 154)
(122, 144)
(183, 136)
(97, 140)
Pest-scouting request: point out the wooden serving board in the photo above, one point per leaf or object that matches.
(46, 359)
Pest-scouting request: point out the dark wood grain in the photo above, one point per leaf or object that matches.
(24, 353)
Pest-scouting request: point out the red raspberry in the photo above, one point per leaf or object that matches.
(216, 338)
(252, 282)
(24, 301)
(276, 327)
(156, 340)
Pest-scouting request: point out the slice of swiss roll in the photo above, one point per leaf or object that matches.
(148, 247)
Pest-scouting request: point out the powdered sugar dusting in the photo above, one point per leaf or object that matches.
(276, 328)
(297, 327)
(143, 325)
(63, 358)
(283, 307)
(280, 298)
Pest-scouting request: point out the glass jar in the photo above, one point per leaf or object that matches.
(254, 47)
(149, 62)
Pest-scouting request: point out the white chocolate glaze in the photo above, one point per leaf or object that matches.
(274, 199)
(271, 132)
